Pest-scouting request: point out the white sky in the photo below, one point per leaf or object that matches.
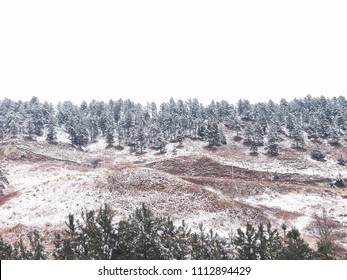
(153, 50)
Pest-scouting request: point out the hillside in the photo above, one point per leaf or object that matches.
(223, 187)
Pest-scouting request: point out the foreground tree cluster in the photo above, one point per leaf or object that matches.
(126, 123)
(146, 236)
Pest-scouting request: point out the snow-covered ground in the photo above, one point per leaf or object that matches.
(50, 181)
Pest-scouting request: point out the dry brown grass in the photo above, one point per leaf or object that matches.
(6, 197)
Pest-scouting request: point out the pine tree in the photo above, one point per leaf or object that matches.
(51, 131)
(272, 142)
(120, 135)
(333, 137)
(258, 135)
(132, 139)
(222, 136)
(313, 128)
(213, 134)
(3, 179)
(248, 134)
(253, 148)
(6, 250)
(93, 128)
(298, 137)
(179, 136)
(270, 243)
(246, 243)
(161, 142)
(295, 247)
(2, 128)
(37, 248)
(139, 236)
(140, 137)
(30, 128)
(109, 130)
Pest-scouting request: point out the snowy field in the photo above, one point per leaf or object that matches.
(50, 181)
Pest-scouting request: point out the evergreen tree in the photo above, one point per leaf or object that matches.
(258, 135)
(333, 137)
(246, 243)
(35, 114)
(253, 148)
(139, 236)
(37, 248)
(3, 179)
(6, 250)
(313, 128)
(272, 142)
(30, 128)
(132, 139)
(222, 137)
(270, 243)
(2, 128)
(248, 134)
(51, 130)
(140, 137)
(295, 247)
(161, 142)
(93, 128)
(120, 135)
(298, 137)
(109, 130)
(213, 134)
(179, 136)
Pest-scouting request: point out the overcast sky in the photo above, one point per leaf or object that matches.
(153, 50)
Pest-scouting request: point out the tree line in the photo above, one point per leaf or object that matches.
(126, 123)
(144, 235)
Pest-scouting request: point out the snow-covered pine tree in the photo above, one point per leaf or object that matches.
(245, 110)
(290, 122)
(313, 128)
(179, 136)
(110, 129)
(2, 128)
(248, 134)
(253, 148)
(12, 124)
(161, 142)
(140, 137)
(297, 136)
(132, 139)
(272, 142)
(36, 115)
(51, 129)
(120, 135)
(222, 137)
(3, 179)
(324, 125)
(333, 135)
(212, 134)
(30, 127)
(258, 134)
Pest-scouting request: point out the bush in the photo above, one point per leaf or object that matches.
(342, 161)
(317, 154)
(338, 182)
